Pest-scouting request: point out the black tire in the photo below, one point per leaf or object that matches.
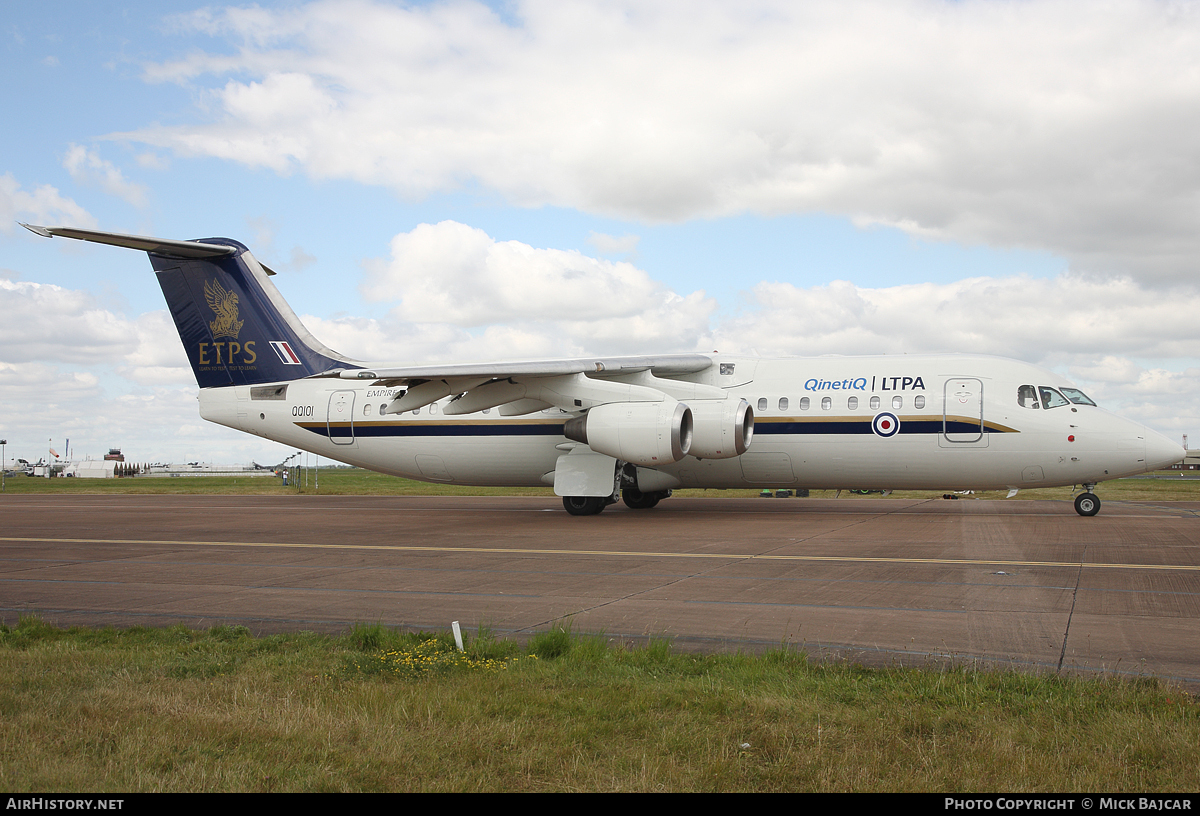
(1087, 504)
(637, 500)
(584, 505)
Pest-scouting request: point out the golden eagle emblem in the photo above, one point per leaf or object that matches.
(225, 306)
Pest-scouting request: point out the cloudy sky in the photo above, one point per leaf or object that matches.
(470, 180)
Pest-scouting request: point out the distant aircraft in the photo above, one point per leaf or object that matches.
(599, 428)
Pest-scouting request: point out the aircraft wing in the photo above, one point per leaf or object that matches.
(530, 385)
(666, 364)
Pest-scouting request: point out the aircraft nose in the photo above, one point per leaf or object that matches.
(1162, 452)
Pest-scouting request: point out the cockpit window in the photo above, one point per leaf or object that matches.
(1051, 398)
(1076, 396)
(1027, 397)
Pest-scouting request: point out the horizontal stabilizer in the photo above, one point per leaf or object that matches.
(159, 246)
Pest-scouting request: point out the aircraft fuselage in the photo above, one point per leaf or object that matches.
(906, 422)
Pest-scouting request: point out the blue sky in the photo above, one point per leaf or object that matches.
(444, 181)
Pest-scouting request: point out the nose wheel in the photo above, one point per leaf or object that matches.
(1088, 503)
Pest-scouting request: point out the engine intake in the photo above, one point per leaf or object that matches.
(723, 429)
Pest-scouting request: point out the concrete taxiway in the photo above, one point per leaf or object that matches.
(1021, 583)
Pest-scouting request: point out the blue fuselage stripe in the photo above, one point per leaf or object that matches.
(376, 431)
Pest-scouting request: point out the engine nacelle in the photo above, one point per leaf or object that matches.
(721, 430)
(645, 433)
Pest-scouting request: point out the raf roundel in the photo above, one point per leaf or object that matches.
(885, 424)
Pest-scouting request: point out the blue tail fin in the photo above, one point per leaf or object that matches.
(235, 326)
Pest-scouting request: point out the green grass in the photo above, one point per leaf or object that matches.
(357, 482)
(178, 710)
(334, 482)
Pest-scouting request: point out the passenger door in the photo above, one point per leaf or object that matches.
(339, 423)
(962, 413)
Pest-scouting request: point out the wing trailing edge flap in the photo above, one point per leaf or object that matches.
(523, 406)
(421, 395)
(574, 392)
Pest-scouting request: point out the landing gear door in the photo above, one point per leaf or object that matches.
(962, 413)
(339, 424)
(583, 472)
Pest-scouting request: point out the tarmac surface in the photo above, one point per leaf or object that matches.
(1026, 584)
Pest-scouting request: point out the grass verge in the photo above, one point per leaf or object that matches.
(179, 710)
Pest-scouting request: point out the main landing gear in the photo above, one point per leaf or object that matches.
(633, 498)
(637, 500)
(586, 505)
(1087, 503)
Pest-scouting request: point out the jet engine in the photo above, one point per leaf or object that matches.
(722, 430)
(645, 433)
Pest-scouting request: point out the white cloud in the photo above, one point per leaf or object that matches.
(30, 384)
(86, 166)
(452, 273)
(1062, 125)
(152, 161)
(44, 322)
(44, 206)
(624, 247)
(158, 358)
(300, 260)
(47, 324)
(1031, 319)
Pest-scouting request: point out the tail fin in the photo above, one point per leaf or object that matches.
(235, 325)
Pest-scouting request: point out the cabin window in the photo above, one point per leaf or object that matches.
(874, 403)
(1051, 398)
(919, 401)
(897, 401)
(826, 403)
(487, 410)
(1027, 397)
(433, 408)
(416, 411)
(762, 403)
(382, 408)
(1076, 396)
(783, 403)
(852, 403)
(804, 403)
(367, 409)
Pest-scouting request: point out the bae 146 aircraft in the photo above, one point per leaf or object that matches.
(635, 428)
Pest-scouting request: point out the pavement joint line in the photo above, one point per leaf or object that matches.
(613, 553)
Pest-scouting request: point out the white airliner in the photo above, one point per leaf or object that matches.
(634, 427)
